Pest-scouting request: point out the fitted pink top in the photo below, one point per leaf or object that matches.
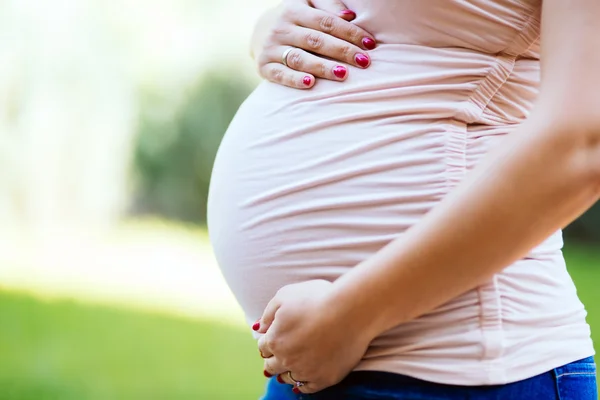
(307, 184)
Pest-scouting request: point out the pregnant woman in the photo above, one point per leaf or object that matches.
(395, 228)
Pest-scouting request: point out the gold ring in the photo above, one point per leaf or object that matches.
(297, 383)
(262, 355)
(285, 56)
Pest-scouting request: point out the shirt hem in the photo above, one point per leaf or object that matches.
(476, 373)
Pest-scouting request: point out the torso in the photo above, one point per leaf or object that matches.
(307, 184)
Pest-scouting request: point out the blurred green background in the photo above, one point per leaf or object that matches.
(110, 117)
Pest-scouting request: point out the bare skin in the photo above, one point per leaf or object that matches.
(313, 30)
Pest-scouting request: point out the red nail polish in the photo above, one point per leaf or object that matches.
(307, 80)
(280, 379)
(340, 71)
(256, 326)
(348, 14)
(362, 60)
(267, 374)
(369, 43)
(296, 390)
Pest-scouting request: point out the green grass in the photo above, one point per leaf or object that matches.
(584, 266)
(63, 350)
(69, 351)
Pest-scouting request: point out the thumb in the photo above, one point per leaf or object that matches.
(268, 316)
(335, 7)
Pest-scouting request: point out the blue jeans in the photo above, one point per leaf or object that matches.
(575, 381)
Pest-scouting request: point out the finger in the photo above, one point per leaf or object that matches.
(329, 46)
(301, 60)
(335, 7)
(273, 367)
(304, 387)
(328, 24)
(263, 355)
(268, 317)
(348, 15)
(285, 378)
(279, 73)
(308, 388)
(263, 348)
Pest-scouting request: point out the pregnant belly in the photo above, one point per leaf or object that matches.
(310, 189)
(307, 184)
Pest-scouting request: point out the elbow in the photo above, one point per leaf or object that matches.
(591, 160)
(578, 133)
(569, 116)
(591, 153)
(594, 162)
(586, 138)
(586, 135)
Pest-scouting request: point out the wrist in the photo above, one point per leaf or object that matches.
(352, 312)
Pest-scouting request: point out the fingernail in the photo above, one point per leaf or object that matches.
(307, 80)
(267, 374)
(362, 60)
(296, 390)
(256, 326)
(348, 14)
(369, 43)
(280, 379)
(340, 71)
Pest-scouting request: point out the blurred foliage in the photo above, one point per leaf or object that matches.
(586, 228)
(176, 146)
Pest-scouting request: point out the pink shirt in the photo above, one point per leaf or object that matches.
(307, 184)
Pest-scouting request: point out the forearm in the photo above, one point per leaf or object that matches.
(537, 183)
